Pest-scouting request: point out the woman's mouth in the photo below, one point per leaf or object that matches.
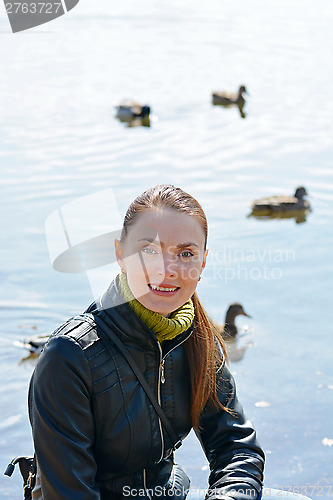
(165, 290)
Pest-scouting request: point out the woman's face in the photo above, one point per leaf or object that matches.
(163, 256)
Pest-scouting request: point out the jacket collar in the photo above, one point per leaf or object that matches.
(112, 309)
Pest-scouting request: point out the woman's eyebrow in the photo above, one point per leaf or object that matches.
(180, 245)
(151, 240)
(187, 244)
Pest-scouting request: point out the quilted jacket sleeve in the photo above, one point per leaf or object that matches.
(62, 422)
(229, 442)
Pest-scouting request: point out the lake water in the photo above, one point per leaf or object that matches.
(59, 141)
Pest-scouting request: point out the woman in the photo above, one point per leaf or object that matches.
(96, 433)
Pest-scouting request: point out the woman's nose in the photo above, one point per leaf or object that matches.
(168, 268)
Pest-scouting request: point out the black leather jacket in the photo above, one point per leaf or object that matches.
(96, 434)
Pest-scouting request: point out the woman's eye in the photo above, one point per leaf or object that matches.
(149, 250)
(186, 254)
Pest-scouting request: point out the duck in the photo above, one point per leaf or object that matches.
(229, 329)
(281, 203)
(35, 343)
(230, 98)
(128, 111)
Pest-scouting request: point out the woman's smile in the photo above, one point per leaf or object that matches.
(164, 290)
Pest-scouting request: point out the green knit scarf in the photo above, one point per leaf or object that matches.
(164, 328)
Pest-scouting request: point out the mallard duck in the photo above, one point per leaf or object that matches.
(281, 203)
(229, 329)
(229, 98)
(129, 110)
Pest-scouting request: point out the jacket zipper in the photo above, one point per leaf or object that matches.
(160, 373)
(162, 362)
(145, 483)
(161, 379)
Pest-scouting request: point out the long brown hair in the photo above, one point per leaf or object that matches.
(204, 346)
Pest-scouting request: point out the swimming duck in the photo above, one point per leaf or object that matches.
(129, 110)
(281, 203)
(229, 329)
(229, 98)
(35, 344)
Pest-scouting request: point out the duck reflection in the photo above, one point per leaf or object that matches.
(31, 359)
(229, 99)
(135, 122)
(237, 349)
(299, 215)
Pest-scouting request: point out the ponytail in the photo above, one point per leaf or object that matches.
(203, 350)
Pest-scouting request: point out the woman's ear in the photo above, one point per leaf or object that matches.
(204, 260)
(119, 253)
